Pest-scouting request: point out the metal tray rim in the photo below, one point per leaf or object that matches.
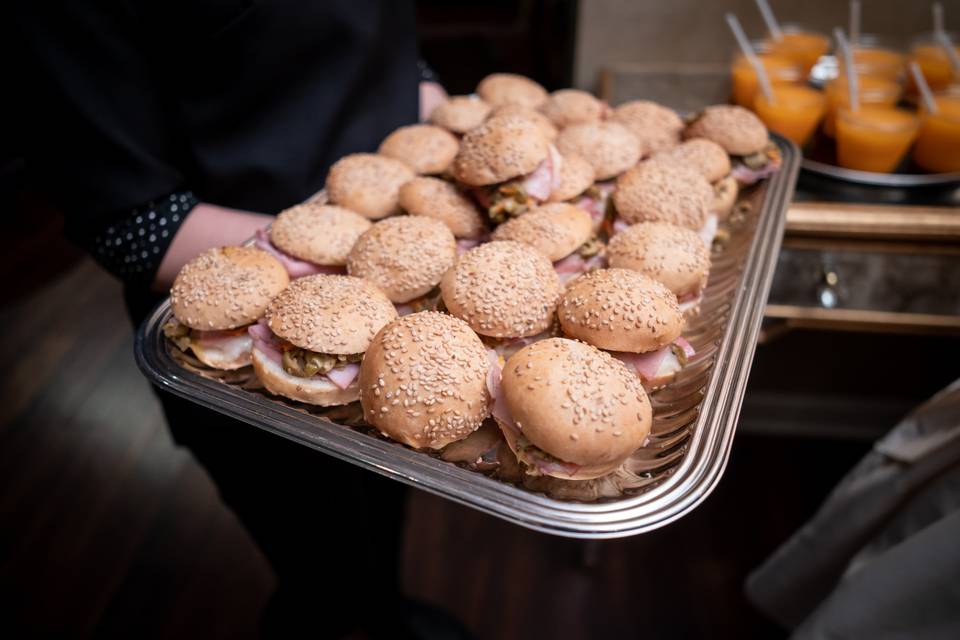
(689, 483)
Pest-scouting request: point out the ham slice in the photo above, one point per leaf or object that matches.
(295, 268)
(645, 365)
(545, 178)
(688, 349)
(746, 176)
(619, 225)
(465, 244)
(574, 265)
(709, 230)
(344, 376)
(265, 342)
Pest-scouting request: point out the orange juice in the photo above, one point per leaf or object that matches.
(934, 64)
(875, 61)
(874, 138)
(804, 47)
(872, 91)
(780, 70)
(795, 112)
(938, 145)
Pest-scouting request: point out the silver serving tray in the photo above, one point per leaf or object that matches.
(880, 179)
(694, 418)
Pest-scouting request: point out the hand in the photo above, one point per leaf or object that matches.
(206, 226)
(431, 95)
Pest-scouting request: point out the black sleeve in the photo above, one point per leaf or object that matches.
(93, 127)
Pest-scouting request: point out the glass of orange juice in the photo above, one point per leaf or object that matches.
(780, 69)
(804, 47)
(874, 58)
(794, 113)
(874, 138)
(938, 144)
(933, 62)
(873, 90)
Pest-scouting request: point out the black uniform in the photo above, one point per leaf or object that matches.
(135, 110)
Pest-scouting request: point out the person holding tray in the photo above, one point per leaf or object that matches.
(161, 130)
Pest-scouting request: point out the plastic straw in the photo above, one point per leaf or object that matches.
(772, 25)
(851, 71)
(751, 56)
(937, 18)
(949, 49)
(854, 22)
(925, 94)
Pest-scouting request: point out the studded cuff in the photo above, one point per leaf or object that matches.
(133, 247)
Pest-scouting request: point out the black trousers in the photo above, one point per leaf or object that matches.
(331, 531)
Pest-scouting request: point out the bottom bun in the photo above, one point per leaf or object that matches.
(531, 467)
(317, 390)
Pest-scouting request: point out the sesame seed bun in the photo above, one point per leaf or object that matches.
(226, 288)
(502, 289)
(577, 404)
(502, 148)
(656, 127)
(435, 198)
(499, 89)
(536, 117)
(423, 380)
(620, 310)
(424, 148)
(318, 390)
(705, 156)
(459, 114)
(576, 176)
(672, 255)
(734, 128)
(572, 106)
(725, 196)
(321, 234)
(367, 183)
(663, 192)
(404, 256)
(331, 314)
(556, 230)
(609, 147)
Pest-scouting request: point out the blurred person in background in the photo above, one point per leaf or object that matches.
(161, 129)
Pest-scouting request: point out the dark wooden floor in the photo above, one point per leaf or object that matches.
(108, 530)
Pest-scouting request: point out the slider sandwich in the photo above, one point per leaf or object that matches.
(312, 238)
(459, 114)
(506, 291)
(561, 232)
(444, 201)
(632, 316)
(665, 192)
(405, 256)
(424, 148)
(742, 135)
(713, 163)
(672, 255)
(569, 410)
(368, 184)
(573, 106)
(423, 381)
(509, 165)
(657, 128)
(499, 89)
(216, 297)
(310, 344)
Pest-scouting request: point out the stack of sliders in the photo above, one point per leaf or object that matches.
(526, 258)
